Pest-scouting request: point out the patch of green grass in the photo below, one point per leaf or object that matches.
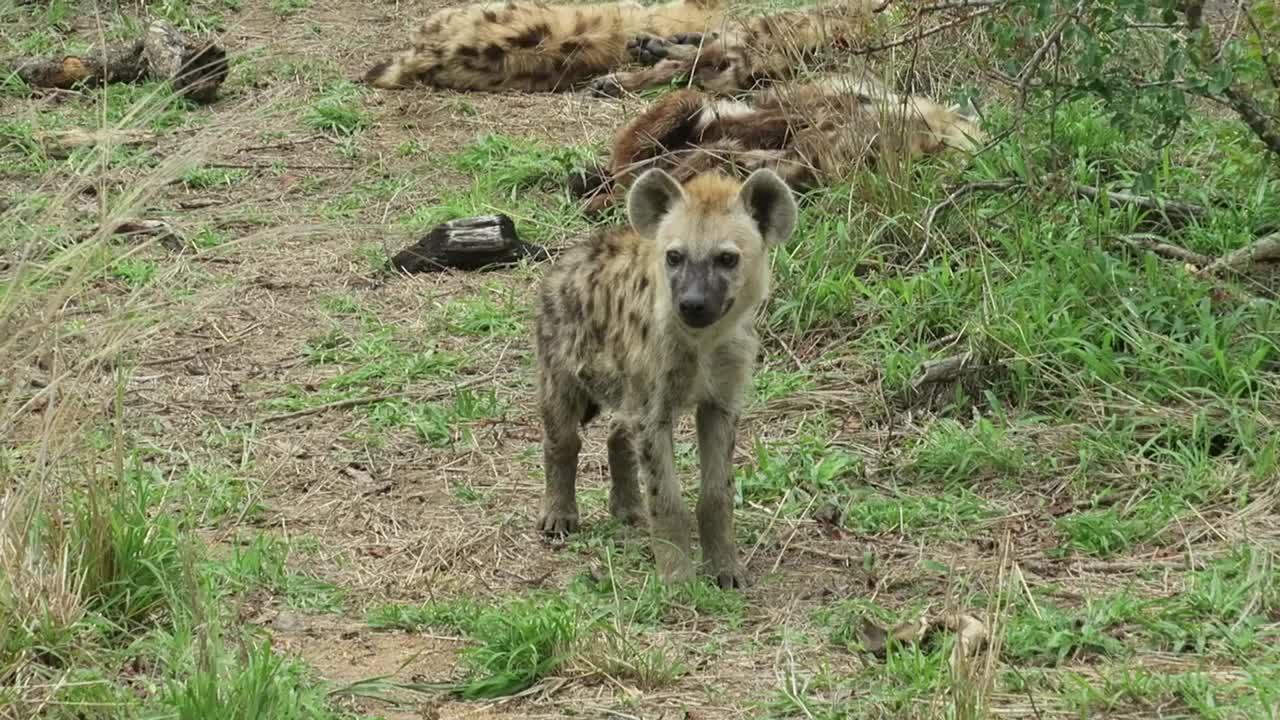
(438, 423)
(287, 8)
(1110, 532)
(135, 272)
(260, 563)
(522, 179)
(950, 453)
(245, 683)
(495, 313)
(339, 111)
(809, 469)
(457, 616)
(776, 384)
(209, 177)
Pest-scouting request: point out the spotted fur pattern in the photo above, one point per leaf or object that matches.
(747, 52)
(809, 133)
(615, 330)
(533, 46)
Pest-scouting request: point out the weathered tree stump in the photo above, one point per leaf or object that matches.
(195, 68)
(475, 243)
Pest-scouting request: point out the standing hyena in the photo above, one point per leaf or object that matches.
(650, 321)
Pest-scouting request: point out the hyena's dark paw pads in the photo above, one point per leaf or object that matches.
(692, 38)
(606, 86)
(557, 523)
(648, 49)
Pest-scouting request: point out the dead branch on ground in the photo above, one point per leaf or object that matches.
(1261, 250)
(195, 68)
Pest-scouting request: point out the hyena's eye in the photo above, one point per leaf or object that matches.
(727, 260)
(674, 258)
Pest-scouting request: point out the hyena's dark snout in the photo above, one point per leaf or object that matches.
(696, 311)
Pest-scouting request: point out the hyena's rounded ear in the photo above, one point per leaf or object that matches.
(771, 204)
(651, 197)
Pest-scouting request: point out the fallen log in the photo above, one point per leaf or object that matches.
(195, 68)
(475, 243)
(119, 63)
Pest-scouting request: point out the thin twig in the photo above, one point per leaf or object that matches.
(922, 35)
(270, 166)
(950, 200)
(1029, 70)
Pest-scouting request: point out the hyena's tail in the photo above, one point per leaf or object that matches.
(398, 72)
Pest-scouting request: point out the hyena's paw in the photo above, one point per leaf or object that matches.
(605, 86)
(558, 523)
(626, 512)
(648, 49)
(730, 576)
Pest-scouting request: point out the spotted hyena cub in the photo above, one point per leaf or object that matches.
(651, 321)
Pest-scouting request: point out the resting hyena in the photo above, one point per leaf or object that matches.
(810, 133)
(651, 321)
(536, 46)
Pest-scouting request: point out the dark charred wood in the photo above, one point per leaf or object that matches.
(475, 243)
(194, 68)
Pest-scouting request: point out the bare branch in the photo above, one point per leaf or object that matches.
(1239, 100)
(1152, 243)
(1261, 250)
(1177, 213)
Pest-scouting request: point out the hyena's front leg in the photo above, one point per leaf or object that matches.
(668, 517)
(716, 433)
(560, 447)
(625, 502)
(615, 84)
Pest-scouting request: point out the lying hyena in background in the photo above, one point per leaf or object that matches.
(650, 321)
(809, 133)
(535, 47)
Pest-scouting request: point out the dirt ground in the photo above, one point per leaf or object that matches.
(401, 520)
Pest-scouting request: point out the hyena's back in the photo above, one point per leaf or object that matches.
(531, 46)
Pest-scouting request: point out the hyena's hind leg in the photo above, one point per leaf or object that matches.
(625, 501)
(563, 407)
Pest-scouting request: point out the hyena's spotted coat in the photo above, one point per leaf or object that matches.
(651, 321)
(533, 46)
(748, 52)
(809, 133)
